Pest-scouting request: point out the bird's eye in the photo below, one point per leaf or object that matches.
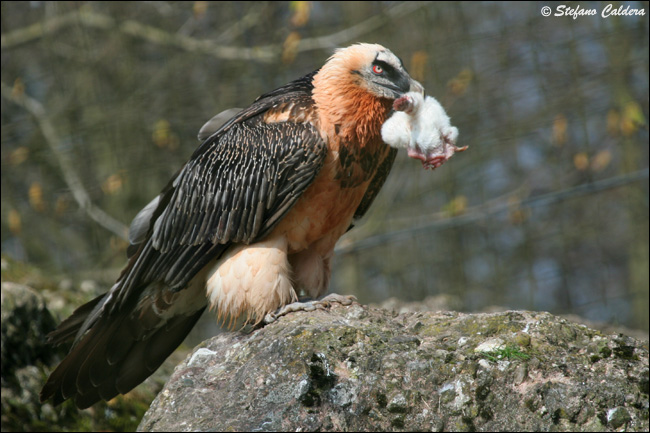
(377, 69)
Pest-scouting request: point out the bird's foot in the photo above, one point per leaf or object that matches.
(309, 305)
(405, 103)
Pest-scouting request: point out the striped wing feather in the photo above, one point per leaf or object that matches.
(236, 187)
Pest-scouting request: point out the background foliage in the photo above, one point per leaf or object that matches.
(547, 210)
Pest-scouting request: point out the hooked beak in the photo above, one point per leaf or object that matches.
(415, 86)
(403, 86)
(397, 91)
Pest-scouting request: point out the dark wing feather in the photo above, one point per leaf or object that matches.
(214, 124)
(291, 92)
(68, 329)
(297, 92)
(88, 374)
(240, 184)
(375, 185)
(237, 186)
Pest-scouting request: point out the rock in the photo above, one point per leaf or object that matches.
(25, 322)
(618, 417)
(358, 368)
(26, 361)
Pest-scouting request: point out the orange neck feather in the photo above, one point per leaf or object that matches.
(347, 111)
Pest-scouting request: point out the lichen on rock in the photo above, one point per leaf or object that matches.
(358, 368)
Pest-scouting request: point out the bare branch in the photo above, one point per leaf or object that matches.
(135, 29)
(485, 210)
(36, 31)
(266, 53)
(249, 20)
(69, 175)
(352, 33)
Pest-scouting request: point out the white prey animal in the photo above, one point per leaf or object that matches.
(421, 126)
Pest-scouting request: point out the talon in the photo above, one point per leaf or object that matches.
(320, 304)
(340, 299)
(405, 103)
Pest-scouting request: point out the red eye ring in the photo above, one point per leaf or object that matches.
(377, 69)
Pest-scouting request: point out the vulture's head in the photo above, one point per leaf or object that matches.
(375, 69)
(355, 90)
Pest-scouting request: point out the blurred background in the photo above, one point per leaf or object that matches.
(547, 210)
